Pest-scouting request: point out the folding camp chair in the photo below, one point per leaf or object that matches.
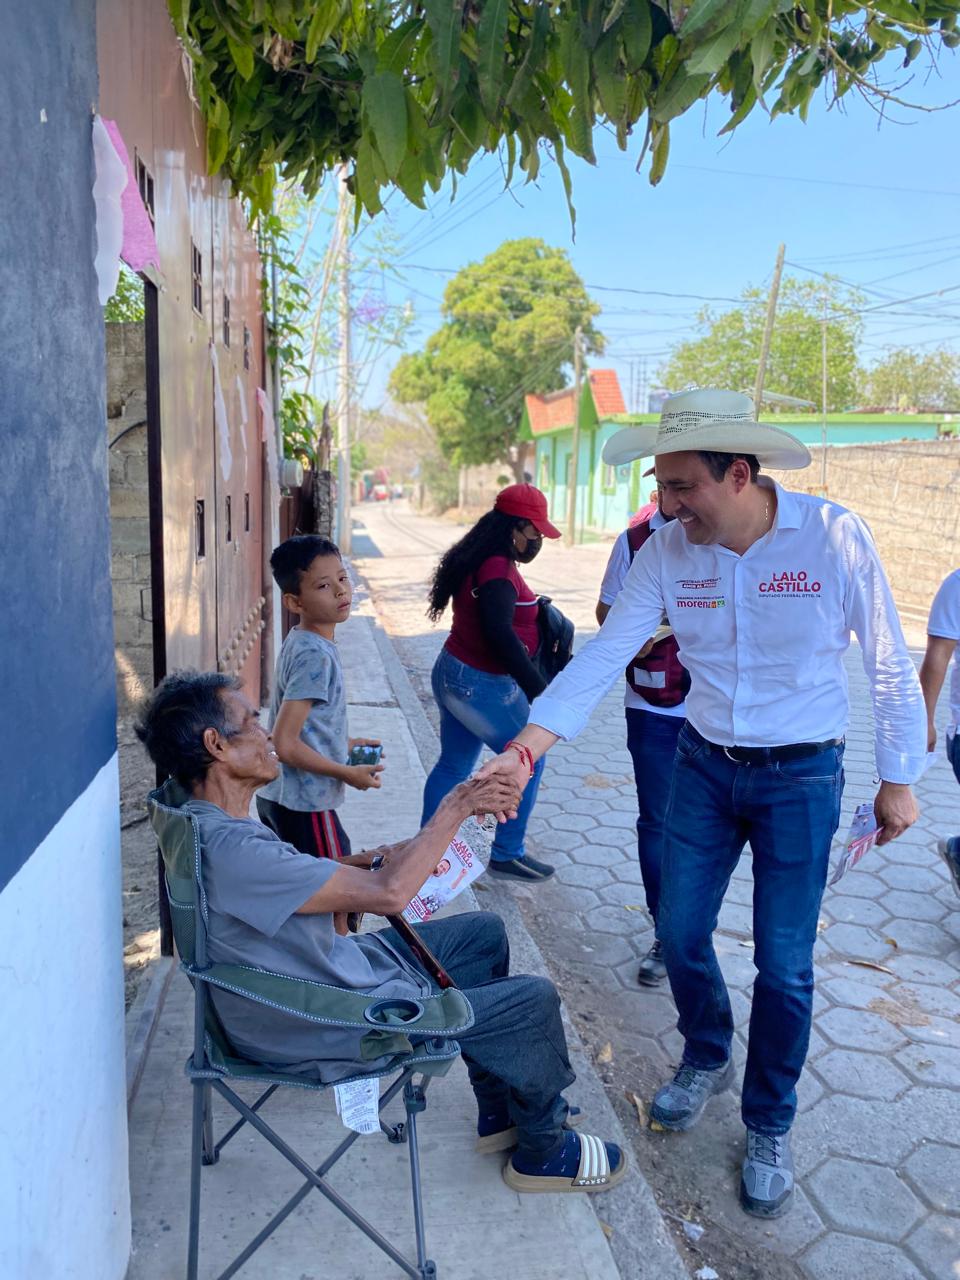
(417, 1033)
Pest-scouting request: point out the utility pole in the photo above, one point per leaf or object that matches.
(572, 493)
(768, 328)
(344, 494)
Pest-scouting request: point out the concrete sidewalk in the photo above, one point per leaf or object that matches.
(476, 1226)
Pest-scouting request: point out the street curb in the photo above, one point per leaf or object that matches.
(638, 1237)
(142, 1018)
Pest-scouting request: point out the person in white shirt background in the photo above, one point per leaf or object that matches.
(655, 688)
(943, 632)
(762, 587)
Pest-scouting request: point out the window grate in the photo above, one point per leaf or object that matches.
(196, 268)
(229, 520)
(246, 347)
(200, 528)
(246, 513)
(145, 187)
(226, 321)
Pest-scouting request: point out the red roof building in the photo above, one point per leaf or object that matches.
(555, 410)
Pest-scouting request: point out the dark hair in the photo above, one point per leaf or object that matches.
(718, 464)
(490, 536)
(293, 558)
(172, 721)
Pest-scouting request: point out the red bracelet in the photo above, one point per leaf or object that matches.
(526, 755)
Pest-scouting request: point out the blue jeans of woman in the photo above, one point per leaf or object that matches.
(477, 709)
(652, 743)
(788, 810)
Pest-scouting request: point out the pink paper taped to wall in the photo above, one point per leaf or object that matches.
(139, 247)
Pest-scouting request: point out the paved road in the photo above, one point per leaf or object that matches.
(877, 1142)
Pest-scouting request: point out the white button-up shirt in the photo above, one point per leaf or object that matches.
(945, 622)
(763, 637)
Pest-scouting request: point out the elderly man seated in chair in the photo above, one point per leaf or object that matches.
(272, 906)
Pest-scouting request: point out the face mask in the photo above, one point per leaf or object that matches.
(530, 551)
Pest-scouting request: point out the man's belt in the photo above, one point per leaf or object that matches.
(770, 755)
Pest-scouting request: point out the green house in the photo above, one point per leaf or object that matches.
(607, 496)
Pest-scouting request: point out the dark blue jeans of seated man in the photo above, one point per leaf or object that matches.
(516, 1050)
(788, 811)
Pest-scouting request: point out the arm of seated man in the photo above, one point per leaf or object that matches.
(366, 856)
(407, 865)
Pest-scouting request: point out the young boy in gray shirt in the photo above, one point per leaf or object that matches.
(308, 712)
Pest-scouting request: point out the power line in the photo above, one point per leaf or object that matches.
(439, 221)
(887, 250)
(599, 288)
(819, 182)
(910, 271)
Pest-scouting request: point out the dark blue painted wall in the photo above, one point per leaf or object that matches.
(56, 632)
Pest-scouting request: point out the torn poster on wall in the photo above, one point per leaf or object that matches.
(124, 229)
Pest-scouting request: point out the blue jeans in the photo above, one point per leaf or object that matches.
(652, 742)
(953, 752)
(477, 708)
(789, 812)
(516, 1050)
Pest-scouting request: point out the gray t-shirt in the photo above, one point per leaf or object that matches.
(254, 885)
(309, 667)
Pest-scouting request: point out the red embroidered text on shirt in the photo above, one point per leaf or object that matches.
(789, 583)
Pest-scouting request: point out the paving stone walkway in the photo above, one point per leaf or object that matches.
(877, 1143)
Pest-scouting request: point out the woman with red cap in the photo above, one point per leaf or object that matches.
(485, 678)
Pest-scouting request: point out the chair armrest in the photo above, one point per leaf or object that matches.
(445, 1014)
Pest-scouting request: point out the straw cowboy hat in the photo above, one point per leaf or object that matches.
(705, 418)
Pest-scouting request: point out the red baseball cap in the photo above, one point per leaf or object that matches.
(528, 503)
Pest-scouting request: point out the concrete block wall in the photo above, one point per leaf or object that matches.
(909, 494)
(129, 512)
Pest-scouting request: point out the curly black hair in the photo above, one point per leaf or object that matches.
(173, 719)
(490, 536)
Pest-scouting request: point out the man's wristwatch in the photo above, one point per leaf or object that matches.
(377, 861)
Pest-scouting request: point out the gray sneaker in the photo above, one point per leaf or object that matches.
(766, 1180)
(949, 851)
(679, 1104)
(652, 970)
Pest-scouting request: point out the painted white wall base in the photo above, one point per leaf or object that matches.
(64, 1189)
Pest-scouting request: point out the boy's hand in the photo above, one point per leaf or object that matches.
(362, 776)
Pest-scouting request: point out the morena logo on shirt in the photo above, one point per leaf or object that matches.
(789, 583)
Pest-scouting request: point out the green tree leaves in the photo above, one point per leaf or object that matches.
(444, 18)
(727, 353)
(491, 53)
(508, 330)
(407, 90)
(906, 380)
(385, 111)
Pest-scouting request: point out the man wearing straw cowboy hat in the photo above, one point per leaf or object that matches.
(762, 587)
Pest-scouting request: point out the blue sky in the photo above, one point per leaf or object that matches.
(879, 206)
